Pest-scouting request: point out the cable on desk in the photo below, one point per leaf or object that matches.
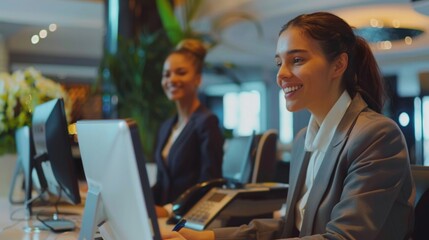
(27, 202)
(10, 226)
(18, 220)
(52, 223)
(44, 223)
(55, 205)
(55, 214)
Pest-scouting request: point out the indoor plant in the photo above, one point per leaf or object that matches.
(135, 73)
(20, 93)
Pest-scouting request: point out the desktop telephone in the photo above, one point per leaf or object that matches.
(222, 199)
(187, 199)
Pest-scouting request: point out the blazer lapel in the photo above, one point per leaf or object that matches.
(329, 162)
(296, 181)
(164, 135)
(184, 134)
(179, 142)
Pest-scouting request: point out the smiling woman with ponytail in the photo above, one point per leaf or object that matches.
(350, 173)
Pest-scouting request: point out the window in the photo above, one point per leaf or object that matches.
(425, 131)
(242, 112)
(286, 121)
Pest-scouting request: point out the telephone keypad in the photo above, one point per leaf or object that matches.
(202, 213)
(206, 208)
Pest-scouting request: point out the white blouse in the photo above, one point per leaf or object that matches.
(317, 141)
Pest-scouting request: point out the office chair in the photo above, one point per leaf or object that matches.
(421, 204)
(265, 159)
(251, 159)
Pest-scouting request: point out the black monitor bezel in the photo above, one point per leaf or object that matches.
(52, 143)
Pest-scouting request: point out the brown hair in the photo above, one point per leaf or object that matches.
(335, 36)
(194, 49)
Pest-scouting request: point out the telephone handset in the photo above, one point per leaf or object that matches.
(228, 204)
(191, 196)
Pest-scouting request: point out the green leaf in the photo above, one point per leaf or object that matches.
(169, 21)
(192, 7)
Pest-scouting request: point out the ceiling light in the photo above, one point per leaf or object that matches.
(373, 22)
(385, 45)
(35, 39)
(396, 23)
(376, 34)
(408, 40)
(52, 27)
(43, 33)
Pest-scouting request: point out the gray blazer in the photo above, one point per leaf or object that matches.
(364, 187)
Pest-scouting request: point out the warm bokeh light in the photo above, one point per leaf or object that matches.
(396, 23)
(385, 45)
(373, 22)
(43, 33)
(35, 39)
(52, 27)
(408, 40)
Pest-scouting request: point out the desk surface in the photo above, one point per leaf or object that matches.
(21, 229)
(16, 229)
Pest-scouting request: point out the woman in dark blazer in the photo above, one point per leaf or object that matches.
(350, 172)
(189, 148)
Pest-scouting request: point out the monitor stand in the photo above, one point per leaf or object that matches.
(17, 176)
(48, 219)
(53, 222)
(24, 166)
(94, 217)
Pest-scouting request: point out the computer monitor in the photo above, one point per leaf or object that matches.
(237, 161)
(53, 159)
(24, 164)
(119, 200)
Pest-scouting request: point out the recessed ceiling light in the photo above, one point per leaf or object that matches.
(52, 27)
(375, 34)
(408, 40)
(396, 23)
(35, 39)
(373, 22)
(43, 33)
(385, 45)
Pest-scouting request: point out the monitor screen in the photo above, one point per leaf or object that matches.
(53, 158)
(119, 200)
(237, 161)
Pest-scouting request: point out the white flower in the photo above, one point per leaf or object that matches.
(21, 92)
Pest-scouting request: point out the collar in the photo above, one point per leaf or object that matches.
(319, 137)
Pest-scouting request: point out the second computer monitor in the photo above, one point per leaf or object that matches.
(119, 200)
(237, 161)
(53, 158)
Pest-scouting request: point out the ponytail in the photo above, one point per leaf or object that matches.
(367, 79)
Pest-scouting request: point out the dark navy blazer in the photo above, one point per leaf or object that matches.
(195, 156)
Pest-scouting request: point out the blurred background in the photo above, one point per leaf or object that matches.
(97, 51)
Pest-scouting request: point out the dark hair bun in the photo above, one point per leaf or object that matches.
(193, 46)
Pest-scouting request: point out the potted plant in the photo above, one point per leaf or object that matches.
(20, 93)
(135, 72)
(135, 69)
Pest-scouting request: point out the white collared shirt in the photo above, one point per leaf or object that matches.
(317, 142)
